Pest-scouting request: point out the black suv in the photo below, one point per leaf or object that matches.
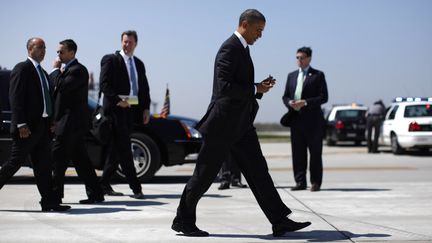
(346, 123)
(164, 141)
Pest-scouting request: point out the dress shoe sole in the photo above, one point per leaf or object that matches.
(56, 209)
(90, 201)
(280, 233)
(178, 228)
(113, 194)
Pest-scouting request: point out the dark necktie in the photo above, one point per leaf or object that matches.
(133, 77)
(48, 104)
(247, 50)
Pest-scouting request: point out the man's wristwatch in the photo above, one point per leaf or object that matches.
(305, 103)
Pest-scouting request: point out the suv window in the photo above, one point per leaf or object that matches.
(393, 112)
(418, 110)
(350, 114)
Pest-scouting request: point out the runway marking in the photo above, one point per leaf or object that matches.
(391, 229)
(347, 168)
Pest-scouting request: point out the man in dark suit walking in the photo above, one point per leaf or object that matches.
(123, 82)
(305, 92)
(71, 122)
(227, 128)
(31, 105)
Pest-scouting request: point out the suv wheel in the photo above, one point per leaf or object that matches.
(146, 157)
(396, 148)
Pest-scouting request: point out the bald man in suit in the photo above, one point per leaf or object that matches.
(31, 104)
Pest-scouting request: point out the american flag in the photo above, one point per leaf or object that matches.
(166, 107)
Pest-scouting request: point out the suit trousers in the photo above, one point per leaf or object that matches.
(38, 146)
(71, 147)
(373, 123)
(248, 155)
(303, 137)
(119, 150)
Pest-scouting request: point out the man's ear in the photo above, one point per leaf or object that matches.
(244, 24)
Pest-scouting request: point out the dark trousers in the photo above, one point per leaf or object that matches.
(304, 137)
(119, 151)
(72, 147)
(230, 171)
(248, 155)
(373, 123)
(38, 146)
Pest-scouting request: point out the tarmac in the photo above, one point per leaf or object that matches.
(364, 198)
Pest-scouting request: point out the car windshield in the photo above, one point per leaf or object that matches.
(350, 114)
(424, 110)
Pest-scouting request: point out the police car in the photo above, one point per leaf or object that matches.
(408, 125)
(346, 123)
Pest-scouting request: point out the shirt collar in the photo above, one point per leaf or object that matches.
(305, 70)
(125, 57)
(242, 40)
(69, 63)
(34, 62)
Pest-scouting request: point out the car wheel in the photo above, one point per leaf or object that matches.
(396, 148)
(146, 157)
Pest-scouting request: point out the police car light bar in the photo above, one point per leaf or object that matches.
(411, 99)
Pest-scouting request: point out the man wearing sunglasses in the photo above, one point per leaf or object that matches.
(305, 92)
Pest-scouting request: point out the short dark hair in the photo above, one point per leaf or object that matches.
(251, 16)
(130, 33)
(306, 50)
(69, 44)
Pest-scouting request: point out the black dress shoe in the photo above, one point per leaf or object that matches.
(91, 200)
(298, 187)
(224, 185)
(288, 226)
(238, 184)
(315, 188)
(138, 195)
(188, 229)
(55, 208)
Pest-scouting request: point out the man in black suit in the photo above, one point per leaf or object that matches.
(228, 129)
(71, 122)
(31, 105)
(305, 92)
(123, 82)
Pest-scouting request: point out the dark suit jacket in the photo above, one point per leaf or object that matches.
(233, 105)
(25, 96)
(314, 92)
(70, 99)
(114, 81)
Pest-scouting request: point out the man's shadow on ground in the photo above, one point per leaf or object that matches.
(76, 211)
(344, 189)
(310, 236)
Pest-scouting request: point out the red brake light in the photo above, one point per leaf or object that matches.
(340, 125)
(414, 126)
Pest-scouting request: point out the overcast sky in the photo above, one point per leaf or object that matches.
(369, 49)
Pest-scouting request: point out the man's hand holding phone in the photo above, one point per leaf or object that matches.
(266, 84)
